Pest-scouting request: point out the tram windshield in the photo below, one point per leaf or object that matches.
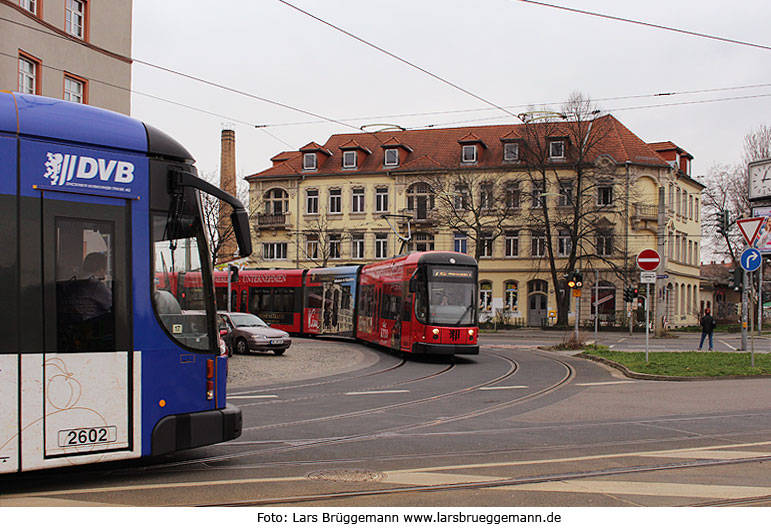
(181, 248)
(451, 296)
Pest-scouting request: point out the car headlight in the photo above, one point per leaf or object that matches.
(259, 336)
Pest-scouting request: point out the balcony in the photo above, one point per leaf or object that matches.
(272, 221)
(645, 216)
(421, 217)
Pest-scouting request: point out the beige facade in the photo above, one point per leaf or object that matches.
(80, 50)
(330, 214)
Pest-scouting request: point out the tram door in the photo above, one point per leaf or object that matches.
(78, 395)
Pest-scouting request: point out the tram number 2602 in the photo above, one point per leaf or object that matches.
(88, 436)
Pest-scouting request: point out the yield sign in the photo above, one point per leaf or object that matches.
(648, 259)
(750, 227)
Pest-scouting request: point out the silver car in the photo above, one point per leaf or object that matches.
(244, 333)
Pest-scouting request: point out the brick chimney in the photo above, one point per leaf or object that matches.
(228, 184)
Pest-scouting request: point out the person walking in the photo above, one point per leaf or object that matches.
(707, 328)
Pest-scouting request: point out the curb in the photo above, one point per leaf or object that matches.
(650, 377)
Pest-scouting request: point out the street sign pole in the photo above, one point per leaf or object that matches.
(647, 317)
(744, 309)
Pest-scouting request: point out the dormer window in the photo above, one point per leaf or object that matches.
(309, 161)
(391, 157)
(511, 152)
(557, 149)
(349, 159)
(469, 153)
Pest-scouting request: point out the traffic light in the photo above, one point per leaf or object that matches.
(737, 279)
(635, 292)
(576, 280)
(233, 273)
(626, 294)
(722, 222)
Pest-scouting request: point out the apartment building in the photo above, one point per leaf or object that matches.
(532, 202)
(77, 50)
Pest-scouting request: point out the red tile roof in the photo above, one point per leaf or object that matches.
(438, 148)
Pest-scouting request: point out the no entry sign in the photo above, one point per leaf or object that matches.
(648, 260)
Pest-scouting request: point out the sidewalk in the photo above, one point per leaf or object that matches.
(306, 358)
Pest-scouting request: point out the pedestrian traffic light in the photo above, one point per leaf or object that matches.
(233, 273)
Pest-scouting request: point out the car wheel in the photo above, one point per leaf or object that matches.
(241, 347)
(279, 351)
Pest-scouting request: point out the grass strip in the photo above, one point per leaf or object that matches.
(689, 363)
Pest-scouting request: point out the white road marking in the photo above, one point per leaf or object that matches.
(493, 388)
(605, 383)
(729, 346)
(252, 396)
(375, 392)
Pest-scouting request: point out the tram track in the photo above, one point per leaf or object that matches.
(368, 436)
(519, 482)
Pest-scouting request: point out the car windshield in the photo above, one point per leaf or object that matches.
(247, 320)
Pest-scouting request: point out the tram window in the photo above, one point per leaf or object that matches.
(221, 295)
(314, 299)
(85, 320)
(177, 253)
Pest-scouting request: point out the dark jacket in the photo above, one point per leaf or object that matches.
(707, 323)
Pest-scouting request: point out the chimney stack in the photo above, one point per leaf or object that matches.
(228, 184)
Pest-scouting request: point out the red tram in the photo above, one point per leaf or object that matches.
(423, 303)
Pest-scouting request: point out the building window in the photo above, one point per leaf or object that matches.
(29, 5)
(381, 199)
(349, 159)
(312, 246)
(357, 200)
(74, 90)
(512, 243)
(357, 246)
(309, 161)
(510, 151)
(486, 246)
(469, 154)
(510, 295)
(604, 243)
(312, 202)
(460, 242)
(486, 196)
(276, 201)
(485, 296)
(75, 18)
(564, 243)
(460, 200)
(335, 201)
(274, 250)
(513, 195)
(29, 70)
(391, 157)
(420, 200)
(605, 195)
(334, 245)
(422, 242)
(566, 194)
(696, 210)
(381, 245)
(538, 244)
(557, 149)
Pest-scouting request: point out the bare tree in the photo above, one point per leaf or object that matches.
(319, 241)
(217, 225)
(727, 190)
(576, 200)
(473, 203)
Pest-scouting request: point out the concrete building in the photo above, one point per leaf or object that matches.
(508, 195)
(78, 50)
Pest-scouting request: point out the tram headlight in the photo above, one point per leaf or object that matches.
(436, 333)
(471, 333)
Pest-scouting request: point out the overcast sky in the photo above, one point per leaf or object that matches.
(507, 52)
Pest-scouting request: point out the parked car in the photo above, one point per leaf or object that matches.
(245, 333)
